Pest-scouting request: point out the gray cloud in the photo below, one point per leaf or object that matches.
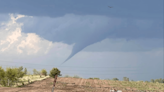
(83, 31)
(87, 29)
(55, 8)
(122, 45)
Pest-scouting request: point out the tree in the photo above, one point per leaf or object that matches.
(44, 72)
(25, 71)
(2, 76)
(160, 80)
(12, 75)
(76, 76)
(156, 80)
(20, 72)
(152, 80)
(34, 72)
(28, 73)
(115, 79)
(97, 78)
(54, 71)
(2, 73)
(126, 79)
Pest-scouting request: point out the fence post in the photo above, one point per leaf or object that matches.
(54, 82)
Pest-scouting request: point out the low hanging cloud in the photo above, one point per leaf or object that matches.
(85, 30)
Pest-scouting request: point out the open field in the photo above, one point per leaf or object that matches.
(85, 85)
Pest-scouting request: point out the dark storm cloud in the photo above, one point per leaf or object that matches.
(54, 8)
(127, 28)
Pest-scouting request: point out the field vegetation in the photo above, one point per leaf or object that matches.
(18, 77)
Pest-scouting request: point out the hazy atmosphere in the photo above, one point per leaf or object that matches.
(89, 38)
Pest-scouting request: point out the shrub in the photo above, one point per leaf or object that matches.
(97, 78)
(67, 76)
(20, 72)
(126, 79)
(44, 72)
(76, 76)
(2, 76)
(11, 75)
(115, 79)
(25, 71)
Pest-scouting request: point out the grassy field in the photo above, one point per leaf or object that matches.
(120, 85)
(74, 84)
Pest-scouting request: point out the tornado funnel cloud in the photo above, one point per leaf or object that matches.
(83, 44)
(77, 48)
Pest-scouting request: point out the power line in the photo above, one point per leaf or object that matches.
(109, 74)
(69, 66)
(76, 69)
(66, 72)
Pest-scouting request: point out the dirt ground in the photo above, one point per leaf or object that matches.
(65, 85)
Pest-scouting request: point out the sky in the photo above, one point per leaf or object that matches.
(84, 38)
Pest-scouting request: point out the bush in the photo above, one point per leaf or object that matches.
(20, 72)
(2, 76)
(25, 71)
(90, 78)
(115, 79)
(76, 76)
(67, 76)
(44, 72)
(126, 79)
(97, 78)
(54, 71)
(11, 75)
(35, 72)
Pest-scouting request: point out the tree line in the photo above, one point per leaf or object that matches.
(160, 80)
(12, 76)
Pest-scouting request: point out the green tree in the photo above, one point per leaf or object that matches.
(20, 72)
(54, 71)
(156, 80)
(76, 76)
(12, 75)
(2, 76)
(35, 72)
(67, 76)
(97, 78)
(160, 80)
(126, 79)
(25, 71)
(115, 79)
(2, 73)
(90, 78)
(44, 72)
(152, 80)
